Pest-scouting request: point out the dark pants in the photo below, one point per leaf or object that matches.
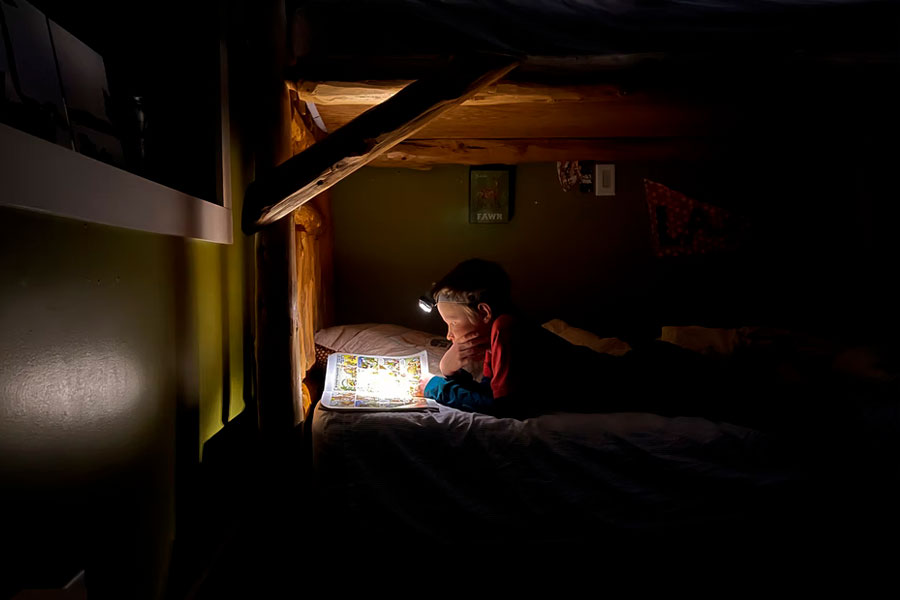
(665, 379)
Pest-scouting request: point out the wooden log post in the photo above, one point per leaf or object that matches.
(361, 141)
(276, 341)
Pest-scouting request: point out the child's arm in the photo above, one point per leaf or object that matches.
(462, 392)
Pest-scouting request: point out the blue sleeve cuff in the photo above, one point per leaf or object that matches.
(434, 386)
(460, 391)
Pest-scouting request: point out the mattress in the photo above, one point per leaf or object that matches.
(450, 476)
(454, 476)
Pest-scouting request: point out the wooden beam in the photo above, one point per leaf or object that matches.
(276, 345)
(369, 93)
(376, 131)
(609, 119)
(408, 66)
(420, 154)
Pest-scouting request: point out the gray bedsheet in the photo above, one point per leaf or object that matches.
(451, 476)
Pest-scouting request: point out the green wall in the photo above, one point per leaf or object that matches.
(817, 245)
(571, 255)
(220, 284)
(121, 354)
(89, 381)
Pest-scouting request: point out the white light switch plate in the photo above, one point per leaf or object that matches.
(605, 180)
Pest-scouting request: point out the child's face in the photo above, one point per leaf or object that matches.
(460, 322)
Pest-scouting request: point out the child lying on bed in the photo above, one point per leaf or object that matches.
(530, 371)
(519, 380)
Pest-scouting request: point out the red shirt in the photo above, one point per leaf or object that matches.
(497, 359)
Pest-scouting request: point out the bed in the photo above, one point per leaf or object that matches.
(445, 476)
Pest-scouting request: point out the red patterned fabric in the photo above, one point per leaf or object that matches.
(322, 354)
(680, 225)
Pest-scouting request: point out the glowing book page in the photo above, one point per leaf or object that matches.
(361, 382)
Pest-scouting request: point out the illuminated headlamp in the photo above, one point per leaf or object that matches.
(426, 304)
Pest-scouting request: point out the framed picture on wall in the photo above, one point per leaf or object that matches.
(490, 194)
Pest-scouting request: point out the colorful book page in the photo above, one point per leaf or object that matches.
(356, 381)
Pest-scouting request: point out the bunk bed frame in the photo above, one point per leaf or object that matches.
(650, 91)
(604, 83)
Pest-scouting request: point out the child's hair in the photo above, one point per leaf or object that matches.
(474, 281)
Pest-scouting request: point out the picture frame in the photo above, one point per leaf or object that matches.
(491, 194)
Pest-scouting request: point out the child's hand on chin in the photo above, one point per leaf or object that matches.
(420, 390)
(473, 347)
(464, 351)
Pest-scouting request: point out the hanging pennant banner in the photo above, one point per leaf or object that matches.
(681, 226)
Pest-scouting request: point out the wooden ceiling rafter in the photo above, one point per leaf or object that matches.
(370, 93)
(515, 121)
(631, 107)
(372, 133)
(427, 153)
(582, 120)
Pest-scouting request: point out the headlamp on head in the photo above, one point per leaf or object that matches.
(426, 304)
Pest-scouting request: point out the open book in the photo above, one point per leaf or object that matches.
(362, 382)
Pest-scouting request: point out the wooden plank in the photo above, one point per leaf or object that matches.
(369, 93)
(277, 330)
(411, 65)
(418, 154)
(562, 120)
(279, 395)
(326, 261)
(371, 134)
(88, 190)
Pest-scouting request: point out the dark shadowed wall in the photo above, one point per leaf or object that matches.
(808, 158)
(120, 351)
(121, 354)
(88, 377)
(812, 261)
(397, 231)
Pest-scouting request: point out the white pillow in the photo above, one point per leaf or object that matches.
(705, 340)
(581, 337)
(384, 340)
